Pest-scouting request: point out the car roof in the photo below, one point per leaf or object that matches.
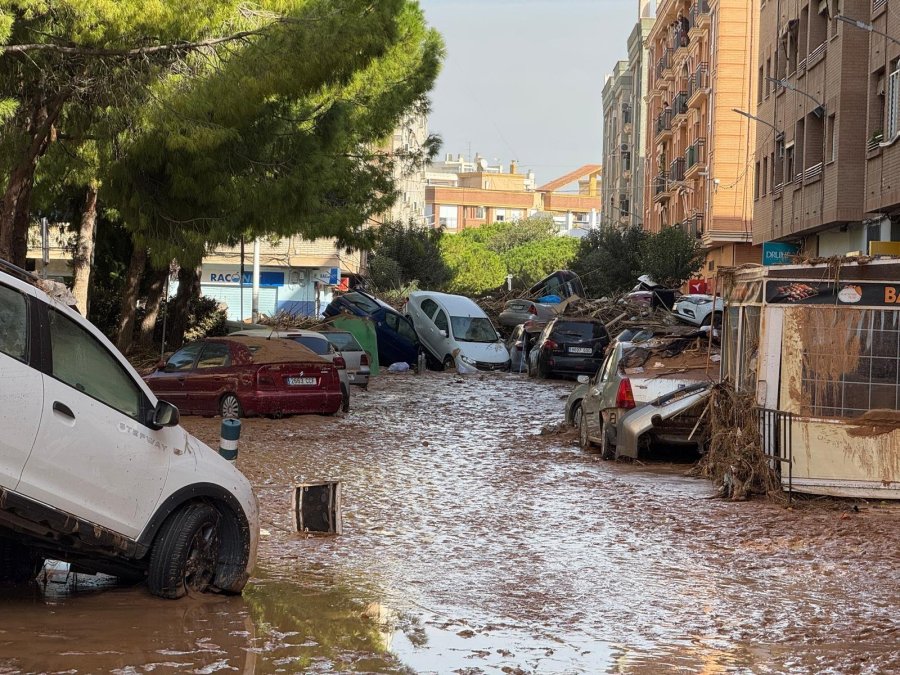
(457, 305)
(292, 332)
(266, 350)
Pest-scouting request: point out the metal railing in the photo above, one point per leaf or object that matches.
(661, 183)
(699, 80)
(679, 105)
(696, 153)
(676, 169)
(701, 7)
(663, 121)
(776, 431)
(812, 172)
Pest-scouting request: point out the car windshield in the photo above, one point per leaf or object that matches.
(365, 303)
(473, 329)
(316, 344)
(344, 342)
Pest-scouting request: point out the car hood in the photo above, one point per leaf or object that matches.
(493, 352)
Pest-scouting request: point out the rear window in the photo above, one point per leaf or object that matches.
(319, 345)
(577, 330)
(344, 342)
(364, 303)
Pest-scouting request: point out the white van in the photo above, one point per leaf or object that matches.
(452, 327)
(94, 470)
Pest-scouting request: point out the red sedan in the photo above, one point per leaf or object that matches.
(243, 376)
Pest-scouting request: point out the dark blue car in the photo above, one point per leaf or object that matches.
(397, 341)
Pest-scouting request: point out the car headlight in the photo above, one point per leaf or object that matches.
(466, 359)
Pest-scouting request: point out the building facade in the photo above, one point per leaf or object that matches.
(638, 64)
(809, 172)
(618, 142)
(700, 152)
(456, 202)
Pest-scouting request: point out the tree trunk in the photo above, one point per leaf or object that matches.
(15, 206)
(130, 297)
(188, 289)
(84, 251)
(154, 301)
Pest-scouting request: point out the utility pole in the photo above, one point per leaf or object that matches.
(256, 280)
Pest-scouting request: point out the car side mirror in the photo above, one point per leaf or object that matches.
(442, 332)
(165, 415)
(583, 379)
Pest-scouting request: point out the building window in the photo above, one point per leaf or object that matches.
(765, 176)
(893, 102)
(626, 160)
(768, 74)
(759, 86)
(448, 217)
(815, 134)
(789, 163)
(818, 27)
(831, 139)
(756, 181)
(850, 361)
(778, 162)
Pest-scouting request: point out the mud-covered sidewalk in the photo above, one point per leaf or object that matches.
(472, 543)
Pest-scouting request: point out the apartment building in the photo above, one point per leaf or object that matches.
(700, 152)
(484, 196)
(882, 158)
(811, 95)
(638, 64)
(618, 143)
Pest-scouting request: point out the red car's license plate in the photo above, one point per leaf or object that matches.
(300, 381)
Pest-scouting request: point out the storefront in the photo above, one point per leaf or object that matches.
(818, 346)
(290, 290)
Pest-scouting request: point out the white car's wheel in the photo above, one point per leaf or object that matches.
(576, 415)
(583, 437)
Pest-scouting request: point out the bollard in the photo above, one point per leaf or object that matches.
(421, 363)
(228, 441)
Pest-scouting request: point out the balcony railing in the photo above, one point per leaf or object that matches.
(875, 141)
(676, 169)
(878, 4)
(661, 183)
(812, 172)
(680, 106)
(663, 121)
(700, 8)
(693, 226)
(699, 80)
(695, 154)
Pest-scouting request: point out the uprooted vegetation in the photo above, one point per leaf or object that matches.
(736, 461)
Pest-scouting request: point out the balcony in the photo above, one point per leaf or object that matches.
(698, 17)
(680, 106)
(661, 187)
(662, 126)
(695, 158)
(698, 85)
(693, 226)
(662, 65)
(668, 72)
(676, 170)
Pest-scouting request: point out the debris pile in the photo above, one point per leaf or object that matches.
(736, 461)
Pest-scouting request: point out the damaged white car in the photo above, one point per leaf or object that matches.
(95, 471)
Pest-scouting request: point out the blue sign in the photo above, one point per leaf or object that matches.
(779, 253)
(267, 279)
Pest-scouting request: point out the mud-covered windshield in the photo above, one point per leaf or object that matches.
(473, 329)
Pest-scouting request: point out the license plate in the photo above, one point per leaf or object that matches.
(580, 350)
(298, 381)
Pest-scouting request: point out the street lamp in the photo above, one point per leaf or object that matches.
(862, 25)
(778, 132)
(820, 109)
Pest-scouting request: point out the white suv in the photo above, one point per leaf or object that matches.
(96, 471)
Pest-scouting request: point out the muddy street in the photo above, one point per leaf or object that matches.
(475, 544)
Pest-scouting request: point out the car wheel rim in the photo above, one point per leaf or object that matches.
(576, 417)
(583, 432)
(200, 567)
(230, 407)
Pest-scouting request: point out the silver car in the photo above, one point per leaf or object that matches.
(355, 356)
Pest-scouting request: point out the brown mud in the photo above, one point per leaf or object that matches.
(475, 544)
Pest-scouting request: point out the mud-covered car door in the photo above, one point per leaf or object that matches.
(212, 376)
(21, 384)
(95, 457)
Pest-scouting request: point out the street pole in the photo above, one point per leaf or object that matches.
(242, 279)
(862, 25)
(255, 308)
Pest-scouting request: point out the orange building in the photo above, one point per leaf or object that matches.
(475, 198)
(700, 152)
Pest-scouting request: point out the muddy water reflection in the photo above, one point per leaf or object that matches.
(472, 544)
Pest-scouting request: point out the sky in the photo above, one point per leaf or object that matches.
(523, 79)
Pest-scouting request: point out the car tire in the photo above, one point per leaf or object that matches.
(230, 407)
(576, 415)
(583, 438)
(449, 362)
(18, 563)
(714, 319)
(345, 399)
(607, 448)
(186, 553)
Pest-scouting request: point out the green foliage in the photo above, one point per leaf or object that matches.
(474, 268)
(505, 236)
(671, 257)
(608, 260)
(406, 255)
(532, 261)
